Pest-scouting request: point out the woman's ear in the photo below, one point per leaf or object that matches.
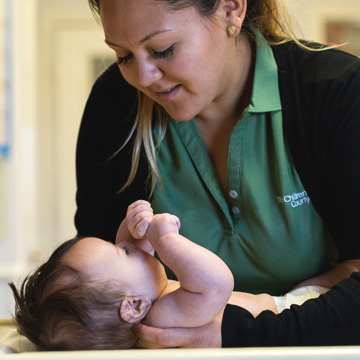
(134, 308)
(235, 11)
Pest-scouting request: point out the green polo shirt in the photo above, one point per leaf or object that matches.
(270, 236)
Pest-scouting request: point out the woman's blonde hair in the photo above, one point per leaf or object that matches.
(143, 130)
(269, 17)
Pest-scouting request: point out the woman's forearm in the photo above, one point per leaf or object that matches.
(334, 275)
(332, 319)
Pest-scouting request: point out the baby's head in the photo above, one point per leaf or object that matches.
(88, 295)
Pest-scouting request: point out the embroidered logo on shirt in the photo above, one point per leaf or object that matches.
(295, 199)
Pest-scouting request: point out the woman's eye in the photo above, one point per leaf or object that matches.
(165, 53)
(156, 54)
(124, 59)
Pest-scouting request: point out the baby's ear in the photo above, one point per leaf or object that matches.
(134, 308)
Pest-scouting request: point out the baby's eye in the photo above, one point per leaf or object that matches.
(124, 59)
(163, 54)
(124, 247)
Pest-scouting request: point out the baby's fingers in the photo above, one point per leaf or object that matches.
(139, 223)
(139, 230)
(138, 218)
(139, 205)
(138, 210)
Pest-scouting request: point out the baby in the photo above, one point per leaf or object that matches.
(90, 293)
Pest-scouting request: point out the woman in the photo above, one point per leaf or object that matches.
(259, 158)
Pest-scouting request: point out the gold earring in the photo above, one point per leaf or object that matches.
(231, 30)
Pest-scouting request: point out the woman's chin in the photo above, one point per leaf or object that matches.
(180, 116)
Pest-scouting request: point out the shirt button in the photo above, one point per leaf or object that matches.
(235, 210)
(233, 194)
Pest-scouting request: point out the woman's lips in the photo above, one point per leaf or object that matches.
(168, 93)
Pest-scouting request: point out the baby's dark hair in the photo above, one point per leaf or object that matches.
(58, 308)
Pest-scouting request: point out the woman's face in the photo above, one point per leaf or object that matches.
(178, 58)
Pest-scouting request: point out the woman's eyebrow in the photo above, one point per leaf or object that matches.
(110, 43)
(154, 34)
(147, 37)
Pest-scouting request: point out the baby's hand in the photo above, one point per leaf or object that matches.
(138, 218)
(162, 224)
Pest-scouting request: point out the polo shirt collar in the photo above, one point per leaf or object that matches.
(265, 96)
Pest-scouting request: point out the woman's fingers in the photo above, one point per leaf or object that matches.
(201, 337)
(155, 338)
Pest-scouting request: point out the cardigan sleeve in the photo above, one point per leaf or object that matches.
(344, 168)
(106, 124)
(332, 319)
(321, 111)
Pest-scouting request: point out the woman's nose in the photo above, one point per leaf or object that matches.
(146, 73)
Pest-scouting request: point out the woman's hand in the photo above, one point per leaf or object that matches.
(201, 337)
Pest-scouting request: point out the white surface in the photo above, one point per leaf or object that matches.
(10, 340)
(319, 353)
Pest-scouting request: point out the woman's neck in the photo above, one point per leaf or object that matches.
(216, 124)
(235, 98)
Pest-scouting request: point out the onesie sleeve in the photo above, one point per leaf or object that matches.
(106, 123)
(332, 319)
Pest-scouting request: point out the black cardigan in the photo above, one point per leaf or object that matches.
(320, 96)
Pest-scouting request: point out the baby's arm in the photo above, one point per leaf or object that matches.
(206, 283)
(123, 233)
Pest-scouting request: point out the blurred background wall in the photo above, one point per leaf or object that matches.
(51, 51)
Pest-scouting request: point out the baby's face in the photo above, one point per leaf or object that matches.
(137, 272)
